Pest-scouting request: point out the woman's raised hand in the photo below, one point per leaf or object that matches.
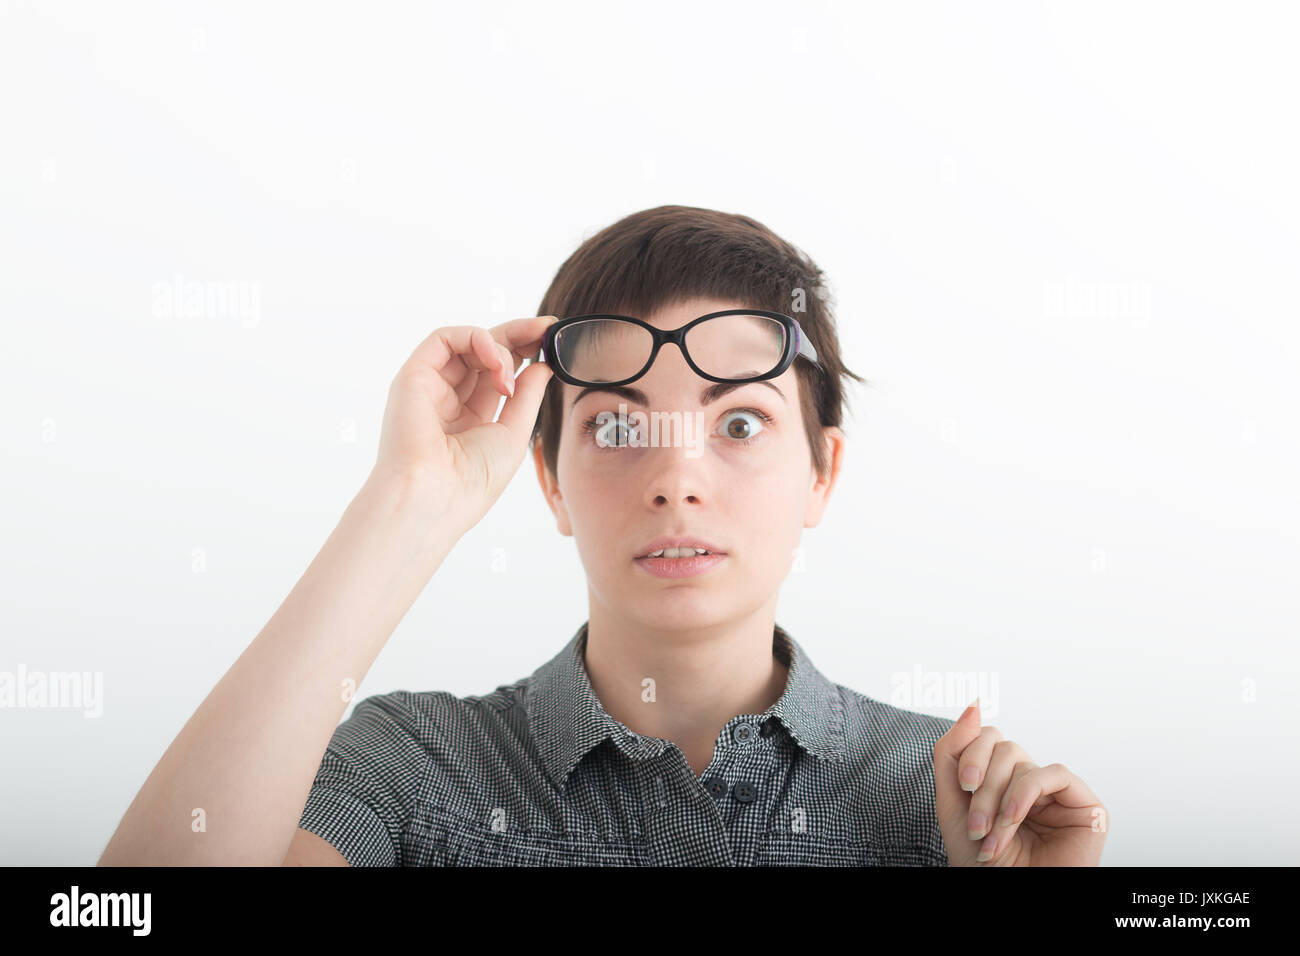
(438, 429)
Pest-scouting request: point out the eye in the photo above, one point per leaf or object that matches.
(741, 431)
(611, 431)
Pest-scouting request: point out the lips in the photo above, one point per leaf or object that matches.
(692, 565)
(679, 541)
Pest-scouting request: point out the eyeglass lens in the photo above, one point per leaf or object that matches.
(728, 347)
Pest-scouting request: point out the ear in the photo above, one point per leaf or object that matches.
(551, 491)
(819, 492)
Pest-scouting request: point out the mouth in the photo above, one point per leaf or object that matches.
(677, 554)
(678, 547)
(680, 561)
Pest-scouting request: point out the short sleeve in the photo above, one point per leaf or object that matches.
(368, 781)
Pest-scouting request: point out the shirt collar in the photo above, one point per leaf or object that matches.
(567, 720)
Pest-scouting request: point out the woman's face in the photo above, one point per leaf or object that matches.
(738, 474)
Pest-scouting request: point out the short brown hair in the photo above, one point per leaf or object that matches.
(668, 254)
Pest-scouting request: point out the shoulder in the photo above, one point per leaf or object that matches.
(454, 749)
(875, 728)
(889, 754)
(436, 719)
(401, 753)
(890, 743)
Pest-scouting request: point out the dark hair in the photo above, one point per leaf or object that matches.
(666, 255)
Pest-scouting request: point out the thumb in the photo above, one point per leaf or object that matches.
(950, 799)
(519, 413)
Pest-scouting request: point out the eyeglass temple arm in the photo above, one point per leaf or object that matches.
(805, 347)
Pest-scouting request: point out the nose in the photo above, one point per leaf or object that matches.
(675, 466)
(676, 478)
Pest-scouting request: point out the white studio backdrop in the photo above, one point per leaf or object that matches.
(1063, 245)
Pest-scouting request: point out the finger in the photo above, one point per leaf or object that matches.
(950, 799)
(489, 386)
(1053, 796)
(507, 438)
(1024, 792)
(423, 385)
(447, 368)
(508, 369)
(522, 337)
(455, 350)
(1051, 814)
(975, 758)
(998, 774)
(1054, 781)
(519, 413)
(999, 837)
(483, 382)
(488, 354)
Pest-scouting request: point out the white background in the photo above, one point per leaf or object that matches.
(1063, 244)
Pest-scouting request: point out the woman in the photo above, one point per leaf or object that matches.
(680, 725)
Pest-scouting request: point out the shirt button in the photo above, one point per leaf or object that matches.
(716, 787)
(743, 734)
(744, 791)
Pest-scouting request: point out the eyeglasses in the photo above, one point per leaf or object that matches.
(735, 345)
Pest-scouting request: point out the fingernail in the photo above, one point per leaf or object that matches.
(977, 825)
(1007, 815)
(970, 777)
(510, 384)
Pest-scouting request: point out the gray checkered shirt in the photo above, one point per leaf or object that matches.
(536, 773)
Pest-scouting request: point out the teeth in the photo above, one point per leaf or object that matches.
(677, 552)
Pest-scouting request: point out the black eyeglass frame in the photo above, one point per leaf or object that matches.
(796, 345)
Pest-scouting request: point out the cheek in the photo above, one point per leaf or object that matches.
(776, 490)
(589, 494)
(774, 469)
(771, 501)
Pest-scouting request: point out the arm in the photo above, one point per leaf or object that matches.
(245, 762)
(307, 849)
(249, 754)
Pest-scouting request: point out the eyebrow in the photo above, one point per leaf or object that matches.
(638, 397)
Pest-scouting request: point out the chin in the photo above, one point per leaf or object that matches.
(677, 609)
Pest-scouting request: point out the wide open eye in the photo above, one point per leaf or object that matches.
(743, 425)
(608, 431)
(615, 433)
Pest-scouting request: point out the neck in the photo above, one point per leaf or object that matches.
(702, 677)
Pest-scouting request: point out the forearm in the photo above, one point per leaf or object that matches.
(249, 754)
